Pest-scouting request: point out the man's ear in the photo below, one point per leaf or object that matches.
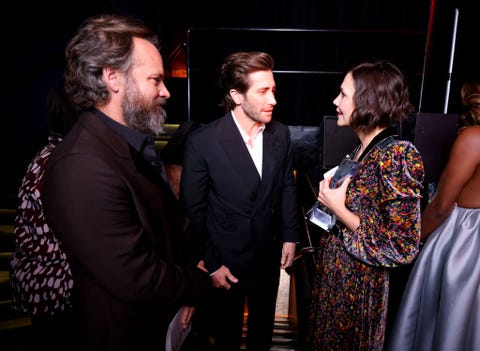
(236, 96)
(112, 79)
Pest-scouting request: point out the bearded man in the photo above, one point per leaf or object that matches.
(106, 197)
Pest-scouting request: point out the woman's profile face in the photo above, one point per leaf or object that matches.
(344, 101)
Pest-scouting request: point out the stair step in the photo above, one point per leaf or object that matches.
(5, 258)
(6, 228)
(16, 335)
(284, 335)
(7, 240)
(16, 323)
(7, 215)
(7, 312)
(4, 285)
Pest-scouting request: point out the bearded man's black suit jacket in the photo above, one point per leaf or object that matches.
(124, 233)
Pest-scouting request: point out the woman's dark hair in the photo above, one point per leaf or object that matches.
(381, 95)
(235, 70)
(59, 113)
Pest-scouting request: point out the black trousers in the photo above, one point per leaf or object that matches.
(221, 320)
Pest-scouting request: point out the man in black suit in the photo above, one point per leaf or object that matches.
(120, 224)
(239, 191)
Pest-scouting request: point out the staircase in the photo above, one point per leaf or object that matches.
(285, 334)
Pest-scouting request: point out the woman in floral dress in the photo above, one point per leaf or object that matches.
(377, 211)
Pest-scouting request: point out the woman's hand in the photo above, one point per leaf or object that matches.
(334, 199)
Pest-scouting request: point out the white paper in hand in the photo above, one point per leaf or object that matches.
(176, 335)
(330, 173)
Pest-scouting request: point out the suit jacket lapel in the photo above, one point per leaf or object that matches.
(242, 163)
(234, 146)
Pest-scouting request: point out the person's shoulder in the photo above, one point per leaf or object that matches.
(401, 166)
(204, 129)
(403, 146)
(45, 150)
(470, 136)
(469, 132)
(394, 154)
(40, 158)
(393, 145)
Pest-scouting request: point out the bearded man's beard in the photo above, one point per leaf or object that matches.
(144, 116)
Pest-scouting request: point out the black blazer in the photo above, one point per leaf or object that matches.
(124, 233)
(239, 219)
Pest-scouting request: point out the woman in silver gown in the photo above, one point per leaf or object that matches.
(440, 308)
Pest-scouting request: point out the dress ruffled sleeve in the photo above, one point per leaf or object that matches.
(389, 230)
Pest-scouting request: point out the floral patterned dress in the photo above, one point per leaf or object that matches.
(350, 287)
(40, 276)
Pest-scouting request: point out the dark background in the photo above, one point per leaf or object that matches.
(313, 42)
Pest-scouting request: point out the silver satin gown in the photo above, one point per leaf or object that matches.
(440, 308)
